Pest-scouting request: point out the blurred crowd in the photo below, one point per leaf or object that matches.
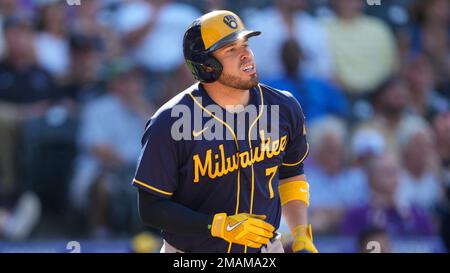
(77, 84)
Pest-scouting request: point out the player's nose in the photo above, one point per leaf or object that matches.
(246, 55)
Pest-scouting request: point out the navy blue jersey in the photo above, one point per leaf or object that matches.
(236, 173)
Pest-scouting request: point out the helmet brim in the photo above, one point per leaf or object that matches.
(244, 33)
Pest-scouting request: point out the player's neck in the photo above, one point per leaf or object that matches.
(226, 96)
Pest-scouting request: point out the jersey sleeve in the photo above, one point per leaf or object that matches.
(157, 169)
(297, 148)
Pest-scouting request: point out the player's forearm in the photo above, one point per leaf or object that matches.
(294, 195)
(295, 213)
(172, 217)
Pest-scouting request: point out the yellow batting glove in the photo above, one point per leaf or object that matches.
(303, 241)
(243, 228)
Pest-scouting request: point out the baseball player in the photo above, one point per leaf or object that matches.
(226, 193)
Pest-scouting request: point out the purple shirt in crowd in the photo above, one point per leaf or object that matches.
(397, 222)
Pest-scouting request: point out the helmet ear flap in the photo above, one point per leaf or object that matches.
(205, 68)
(213, 67)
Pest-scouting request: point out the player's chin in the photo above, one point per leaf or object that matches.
(254, 79)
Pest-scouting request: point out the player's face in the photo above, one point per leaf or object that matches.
(239, 69)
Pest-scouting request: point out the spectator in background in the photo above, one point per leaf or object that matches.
(26, 91)
(52, 47)
(366, 144)
(93, 20)
(153, 31)
(171, 88)
(374, 240)
(394, 12)
(287, 19)
(363, 48)
(441, 127)
(109, 142)
(425, 101)
(334, 188)
(318, 97)
(7, 8)
(420, 185)
(390, 104)
(383, 209)
(430, 35)
(84, 79)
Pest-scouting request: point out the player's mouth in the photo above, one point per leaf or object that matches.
(249, 68)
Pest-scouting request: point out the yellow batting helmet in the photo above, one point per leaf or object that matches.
(208, 33)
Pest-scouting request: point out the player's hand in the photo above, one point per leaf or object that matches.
(245, 229)
(303, 241)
